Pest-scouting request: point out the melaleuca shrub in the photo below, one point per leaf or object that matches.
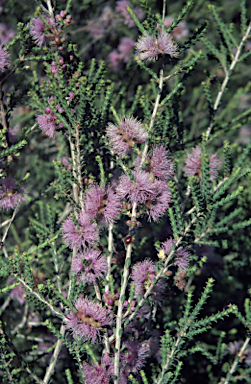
(124, 192)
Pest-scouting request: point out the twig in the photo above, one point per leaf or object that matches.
(118, 332)
(227, 77)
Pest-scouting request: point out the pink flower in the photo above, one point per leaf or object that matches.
(126, 47)
(102, 205)
(10, 194)
(100, 373)
(81, 232)
(88, 320)
(38, 29)
(149, 47)
(182, 256)
(89, 266)
(47, 124)
(133, 360)
(143, 273)
(140, 190)
(160, 204)
(193, 164)
(161, 164)
(123, 136)
(4, 59)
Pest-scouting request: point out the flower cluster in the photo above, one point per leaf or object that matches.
(193, 164)
(182, 256)
(89, 266)
(89, 318)
(149, 187)
(100, 373)
(102, 204)
(10, 194)
(48, 123)
(39, 28)
(132, 360)
(149, 47)
(80, 231)
(127, 133)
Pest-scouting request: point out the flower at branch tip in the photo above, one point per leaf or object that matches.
(160, 203)
(10, 194)
(193, 164)
(123, 136)
(143, 274)
(133, 360)
(4, 59)
(102, 204)
(38, 27)
(89, 266)
(100, 373)
(47, 124)
(84, 231)
(161, 164)
(149, 47)
(88, 320)
(182, 256)
(140, 190)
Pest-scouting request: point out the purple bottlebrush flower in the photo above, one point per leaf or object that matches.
(182, 256)
(4, 59)
(89, 266)
(128, 132)
(38, 29)
(133, 360)
(149, 47)
(160, 204)
(18, 292)
(193, 164)
(182, 259)
(10, 194)
(140, 190)
(47, 124)
(102, 205)
(88, 320)
(143, 274)
(100, 373)
(234, 347)
(126, 47)
(161, 164)
(84, 231)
